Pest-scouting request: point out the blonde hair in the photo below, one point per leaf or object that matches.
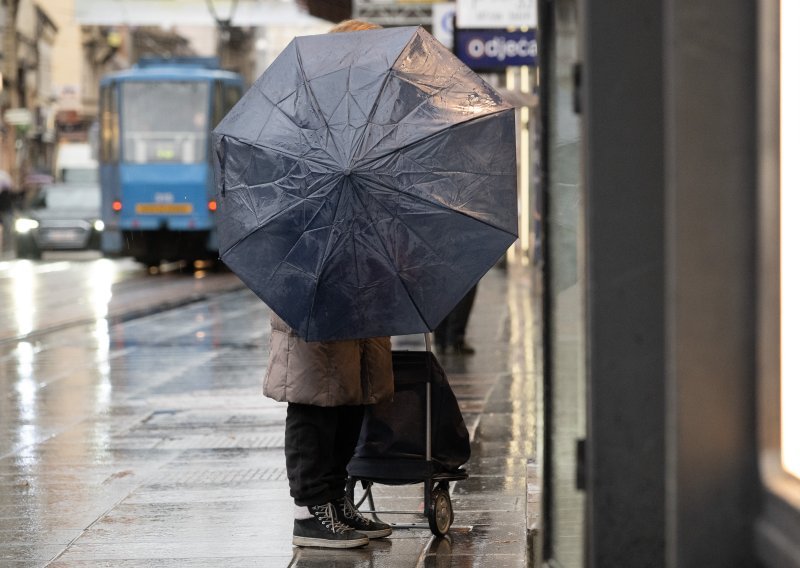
(354, 26)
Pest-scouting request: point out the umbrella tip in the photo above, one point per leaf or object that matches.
(347, 171)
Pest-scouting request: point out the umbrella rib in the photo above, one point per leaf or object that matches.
(349, 74)
(322, 263)
(409, 113)
(263, 126)
(429, 171)
(258, 227)
(389, 257)
(300, 201)
(261, 145)
(275, 182)
(355, 100)
(328, 245)
(313, 96)
(435, 204)
(373, 110)
(432, 134)
(294, 246)
(289, 117)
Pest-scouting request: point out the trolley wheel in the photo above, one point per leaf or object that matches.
(440, 513)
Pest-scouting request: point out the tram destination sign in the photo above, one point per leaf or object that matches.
(491, 50)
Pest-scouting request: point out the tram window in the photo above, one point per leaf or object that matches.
(232, 95)
(225, 96)
(104, 130)
(109, 129)
(219, 103)
(165, 121)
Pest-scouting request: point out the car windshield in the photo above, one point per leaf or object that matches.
(69, 196)
(165, 121)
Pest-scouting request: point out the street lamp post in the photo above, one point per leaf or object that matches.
(224, 32)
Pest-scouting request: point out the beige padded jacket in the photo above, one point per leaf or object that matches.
(327, 373)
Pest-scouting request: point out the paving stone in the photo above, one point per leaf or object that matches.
(146, 442)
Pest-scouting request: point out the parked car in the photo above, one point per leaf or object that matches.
(59, 216)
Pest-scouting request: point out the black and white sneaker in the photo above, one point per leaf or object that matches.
(324, 530)
(349, 515)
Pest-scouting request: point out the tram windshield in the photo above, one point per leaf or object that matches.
(165, 121)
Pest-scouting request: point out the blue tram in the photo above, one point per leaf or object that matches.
(158, 201)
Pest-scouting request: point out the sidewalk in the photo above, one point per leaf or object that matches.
(151, 446)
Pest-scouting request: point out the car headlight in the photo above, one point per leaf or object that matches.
(24, 225)
(99, 225)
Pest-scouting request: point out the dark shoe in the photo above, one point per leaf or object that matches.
(349, 515)
(463, 348)
(324, 530)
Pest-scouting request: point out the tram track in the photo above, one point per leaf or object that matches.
(135, 295)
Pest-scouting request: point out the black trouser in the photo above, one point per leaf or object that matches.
(320, 440)
(453, 328)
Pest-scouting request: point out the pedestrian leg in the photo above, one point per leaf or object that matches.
(459, 318)
(347, 434)
(312, 468)
(310, 452)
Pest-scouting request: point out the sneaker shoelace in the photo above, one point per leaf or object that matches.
(350, 512)
(327, 516)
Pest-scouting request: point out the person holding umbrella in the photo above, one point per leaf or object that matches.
(366, 182)
(326, 384)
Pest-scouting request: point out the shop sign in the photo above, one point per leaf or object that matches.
(18, 116)
(167, 13)
(486, 14)
(443, 16)
(488, 50)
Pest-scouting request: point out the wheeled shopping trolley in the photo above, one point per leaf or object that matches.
(418, 437)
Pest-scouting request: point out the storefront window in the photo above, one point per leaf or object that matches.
(790, 235)
(565, 399)
(778, 523)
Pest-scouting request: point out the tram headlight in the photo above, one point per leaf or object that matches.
(99, 225)
(24, 225)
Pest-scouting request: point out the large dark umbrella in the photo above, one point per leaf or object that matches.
(366, 182)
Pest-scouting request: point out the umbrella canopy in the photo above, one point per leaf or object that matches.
(366, 182)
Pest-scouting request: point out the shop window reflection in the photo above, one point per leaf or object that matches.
(790, 236)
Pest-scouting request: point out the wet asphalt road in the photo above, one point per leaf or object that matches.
(133, 432)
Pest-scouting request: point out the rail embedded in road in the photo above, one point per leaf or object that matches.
(40, 297)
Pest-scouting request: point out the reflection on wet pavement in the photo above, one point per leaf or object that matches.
(38, 297)
(147, 443)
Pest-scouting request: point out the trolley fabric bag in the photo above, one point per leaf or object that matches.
(392, 444)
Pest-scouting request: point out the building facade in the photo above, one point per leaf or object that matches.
(29, 34)
(670, 393)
